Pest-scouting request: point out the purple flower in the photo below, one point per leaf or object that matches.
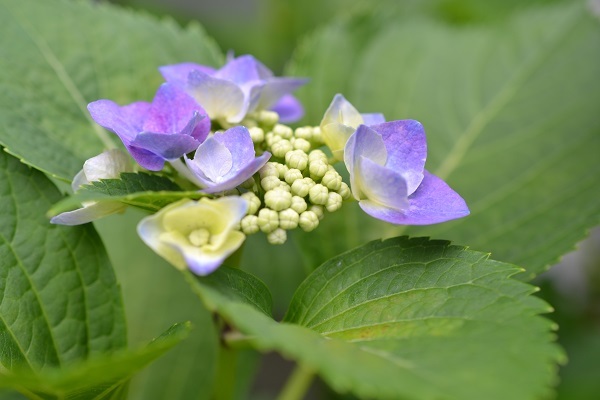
(172, 125)
(387, 176)
(242, 86)
(225, 160)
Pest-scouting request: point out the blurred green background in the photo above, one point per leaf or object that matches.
(155, 296)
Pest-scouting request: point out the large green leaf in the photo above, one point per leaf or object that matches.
(51, 70)
(59, 300)
(410, 319)
(510, 111)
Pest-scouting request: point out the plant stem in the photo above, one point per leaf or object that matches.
(297, 384)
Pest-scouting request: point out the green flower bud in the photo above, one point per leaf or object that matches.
(302, 144)
(268, 118)
(316, 135)
(269, 169)
(278, 199)
(288, 219)
(332, 180)
(253, 202)
(271, 139)
(270, 182)
(257, 134)
(296, 159)
(308, 221)
(304, 132)
(345, 191)
(281, 148)
(334, 202)
(248, 123)
(249, 224)
(318, 210)
(317, 169)
(292, 175)
(268, 220)
(278, 236)
(283, 130)
(281, 170)
(318, 194)
(298, 204)
(249, 184)
(284, 186)
(317, 155)
(301, 187)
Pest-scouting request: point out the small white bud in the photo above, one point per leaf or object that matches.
(296, 159)
(332, 180)
(288, 219)
(278, 236)
(317, 169)
(249, 224)
(270, 182)
(317, 155)
(269, 169)
(303, 132)
(344, 191)
(318, 194)
(334, 202)
(268, 220)
(308, 221)
(268, 118)
(278, 199)
(253, 202)
(257, 134)
(318, 210)
(301, 187)
(283, 130)
(302, 144)
(292, 175)
(298, 204)
(281, 148)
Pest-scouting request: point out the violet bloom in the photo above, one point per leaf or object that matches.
(243, 85)
(387, 176)
(172, 125)
(225, 160)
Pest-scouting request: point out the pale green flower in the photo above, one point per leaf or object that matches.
(198, 235)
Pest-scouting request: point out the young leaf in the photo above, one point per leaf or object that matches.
(49, 75)
(510, 113)
(412, 319)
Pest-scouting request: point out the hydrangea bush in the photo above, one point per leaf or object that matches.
(233, 172)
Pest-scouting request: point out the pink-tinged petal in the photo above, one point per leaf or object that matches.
(124, 121)
(373, 119)
(220, 98)
(239, 143)
(432, 203)
(406, 146)
(166, 146)
(178, 73)
(171, 112)
(240, 70)
(236, 178)
(289, 109)
(275, 88)
(380, 185)
(146, 158)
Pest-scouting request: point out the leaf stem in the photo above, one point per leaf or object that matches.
(297, 384)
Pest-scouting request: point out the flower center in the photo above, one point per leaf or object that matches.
(199, 237)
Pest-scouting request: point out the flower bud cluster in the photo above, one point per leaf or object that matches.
(296, 187)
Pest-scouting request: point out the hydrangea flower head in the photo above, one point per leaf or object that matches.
(243, 85)
(387, 176)
(198, 235)
(172, 125)
(340, 121)
(107, 165)
(225, 160)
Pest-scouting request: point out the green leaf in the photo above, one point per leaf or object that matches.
(510, 113)
(98, 377)
(410, 319)
(149, 192)
(51, 71)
